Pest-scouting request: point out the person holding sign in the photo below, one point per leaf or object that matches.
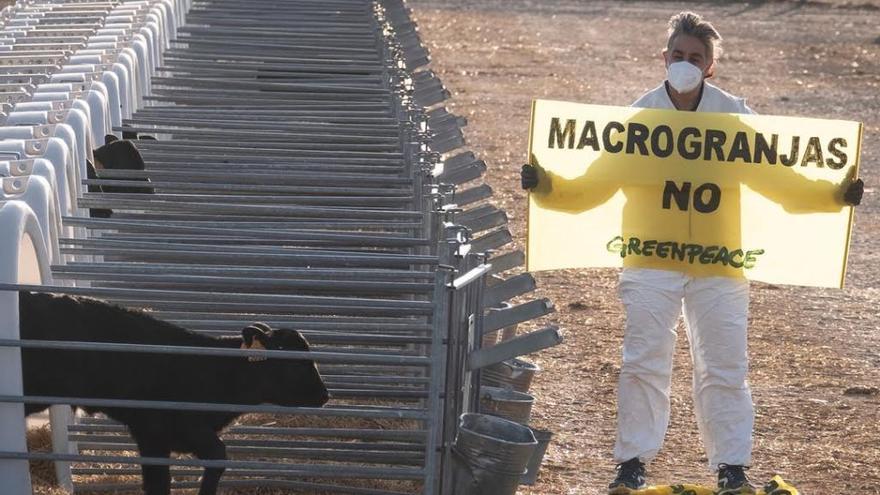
(709, 287)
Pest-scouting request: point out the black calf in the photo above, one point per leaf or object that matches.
(141, 376)
(115, 155)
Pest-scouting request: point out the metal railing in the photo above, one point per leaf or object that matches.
(305, 176)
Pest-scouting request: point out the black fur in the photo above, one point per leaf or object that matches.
(141, 376)
(116, 155)
(122, 155)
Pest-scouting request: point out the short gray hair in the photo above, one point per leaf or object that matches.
(693, 24)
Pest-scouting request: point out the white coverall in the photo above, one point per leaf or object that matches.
(716, 317)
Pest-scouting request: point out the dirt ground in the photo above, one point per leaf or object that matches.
(815, 368)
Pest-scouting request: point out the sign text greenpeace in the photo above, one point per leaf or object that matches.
(708, 194)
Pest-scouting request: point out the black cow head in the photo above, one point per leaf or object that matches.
(286, 382)
(121, 155)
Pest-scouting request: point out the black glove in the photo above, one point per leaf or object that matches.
(528, 176)
(853, 194)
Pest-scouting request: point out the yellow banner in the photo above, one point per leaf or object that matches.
(708, 194)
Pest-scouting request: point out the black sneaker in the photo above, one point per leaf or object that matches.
(732, 480)
(630, 476)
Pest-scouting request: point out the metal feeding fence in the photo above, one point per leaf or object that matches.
(304, 174)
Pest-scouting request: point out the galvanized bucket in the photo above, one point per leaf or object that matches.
(543, 437)
(513, 374)
(506, 333)
(490, 455)
(507, 404)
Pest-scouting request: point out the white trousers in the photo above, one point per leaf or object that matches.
(716, 318)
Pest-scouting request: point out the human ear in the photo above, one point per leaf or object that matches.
(710, 71)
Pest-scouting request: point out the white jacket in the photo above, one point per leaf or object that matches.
(716, 317)
(714, 99)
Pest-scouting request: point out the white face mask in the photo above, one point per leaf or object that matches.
(684, 76)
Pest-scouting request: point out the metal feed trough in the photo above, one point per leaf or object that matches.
(304, 175)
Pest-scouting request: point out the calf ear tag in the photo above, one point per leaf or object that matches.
(256, 345)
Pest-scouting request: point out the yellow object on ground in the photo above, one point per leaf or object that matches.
(708, 194)
(776, 486)
(674, 490)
